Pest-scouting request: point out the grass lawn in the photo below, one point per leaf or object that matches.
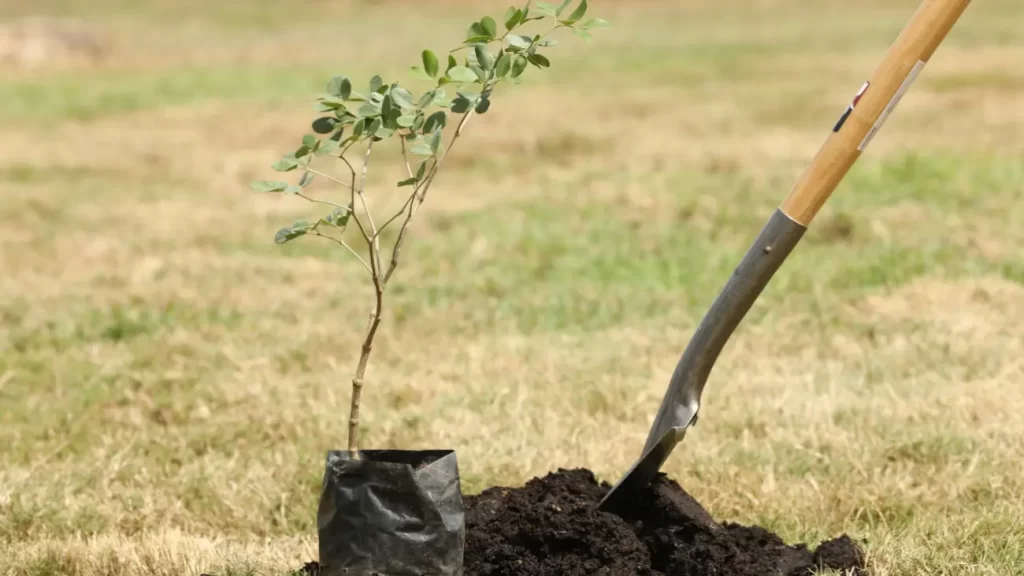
(170, 379)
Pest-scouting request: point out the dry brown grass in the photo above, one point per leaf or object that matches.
(170, 379)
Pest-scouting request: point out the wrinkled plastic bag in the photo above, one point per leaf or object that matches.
(391, 513)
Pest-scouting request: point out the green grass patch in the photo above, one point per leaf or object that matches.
(80, 96)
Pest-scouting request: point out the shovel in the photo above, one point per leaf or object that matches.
(853, 132)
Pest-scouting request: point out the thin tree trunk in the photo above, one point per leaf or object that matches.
(357, 381)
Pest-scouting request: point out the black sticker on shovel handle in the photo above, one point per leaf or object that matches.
(849, 109)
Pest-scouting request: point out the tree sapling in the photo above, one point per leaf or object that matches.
(356, 123)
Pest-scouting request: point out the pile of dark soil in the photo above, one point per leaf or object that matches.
(551, 527)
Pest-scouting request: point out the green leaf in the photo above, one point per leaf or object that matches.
(489, 26)
(430, 63)
(421, 171)
(338, 217)
(375, 83)
(477, 30)
(368, 110)
(328, 146)
(391, 121)
(406, 120)
(376, 125)
(519, 66)
(435, 121)
(284, 165)
(421, 149)
(408, 182)
(547, 9)
(339, 86)
(301, 152)
(330, 100)
(293, 189)
(426, 99)
(585, 34)
(547, 42)
(285, 234)
(518, 41)
(418, 123)
(269, 186)
(462, 74)
(483, 106)
(402, 97)
(560, 9)
(419, 73)
(309, 141)
(595, 23)
(513, 17)
(461, 104)
(578, 13)
(324, 125)
(306, 178)
(480, 72)
(539, 61)
(484, 57)
(502, 67)
(434, 140)
(385, 107)
(452, 63)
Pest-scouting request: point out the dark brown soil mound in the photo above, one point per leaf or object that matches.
(551, 527)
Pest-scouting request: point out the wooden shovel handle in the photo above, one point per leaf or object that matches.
(872, 106)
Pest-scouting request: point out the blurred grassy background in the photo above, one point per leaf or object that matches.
(170, 378)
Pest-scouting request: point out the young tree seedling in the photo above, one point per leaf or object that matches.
(356, 123)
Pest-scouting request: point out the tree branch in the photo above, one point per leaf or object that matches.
(373, 239)
(352, 198)
(345, 160)
(401, 211)
(347, 247)
(327, 176)
(319, 201)
(362, 186)
(405, 156)
(421, 195)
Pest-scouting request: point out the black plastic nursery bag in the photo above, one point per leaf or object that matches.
(391, 513)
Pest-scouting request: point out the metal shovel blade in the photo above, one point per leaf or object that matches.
(682, 399)
(642, 473)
